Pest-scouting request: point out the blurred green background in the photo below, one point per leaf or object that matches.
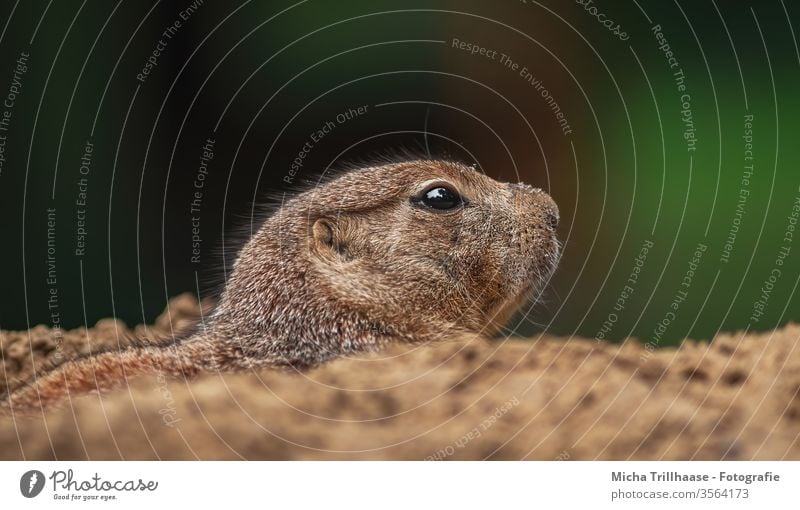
(258, 77)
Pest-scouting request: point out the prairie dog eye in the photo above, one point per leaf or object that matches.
(439, 197)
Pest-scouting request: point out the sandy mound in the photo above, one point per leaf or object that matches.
(548, 398)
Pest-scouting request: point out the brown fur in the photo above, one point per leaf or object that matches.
(347, 267)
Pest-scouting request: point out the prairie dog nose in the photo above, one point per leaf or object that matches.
(540, 201)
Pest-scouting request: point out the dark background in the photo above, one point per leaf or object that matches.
(259, 77)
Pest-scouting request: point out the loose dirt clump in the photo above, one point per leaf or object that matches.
(737, 397)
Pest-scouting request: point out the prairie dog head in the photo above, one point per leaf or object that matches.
(429, 241)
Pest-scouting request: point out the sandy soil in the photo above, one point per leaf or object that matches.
(542, 398)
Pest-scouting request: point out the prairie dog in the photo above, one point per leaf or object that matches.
(405, 252)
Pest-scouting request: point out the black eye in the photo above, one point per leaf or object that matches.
(440, 198)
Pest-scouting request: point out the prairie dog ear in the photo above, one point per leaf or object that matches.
(328, 239)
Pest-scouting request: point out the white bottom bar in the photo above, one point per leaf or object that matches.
(401, 485)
